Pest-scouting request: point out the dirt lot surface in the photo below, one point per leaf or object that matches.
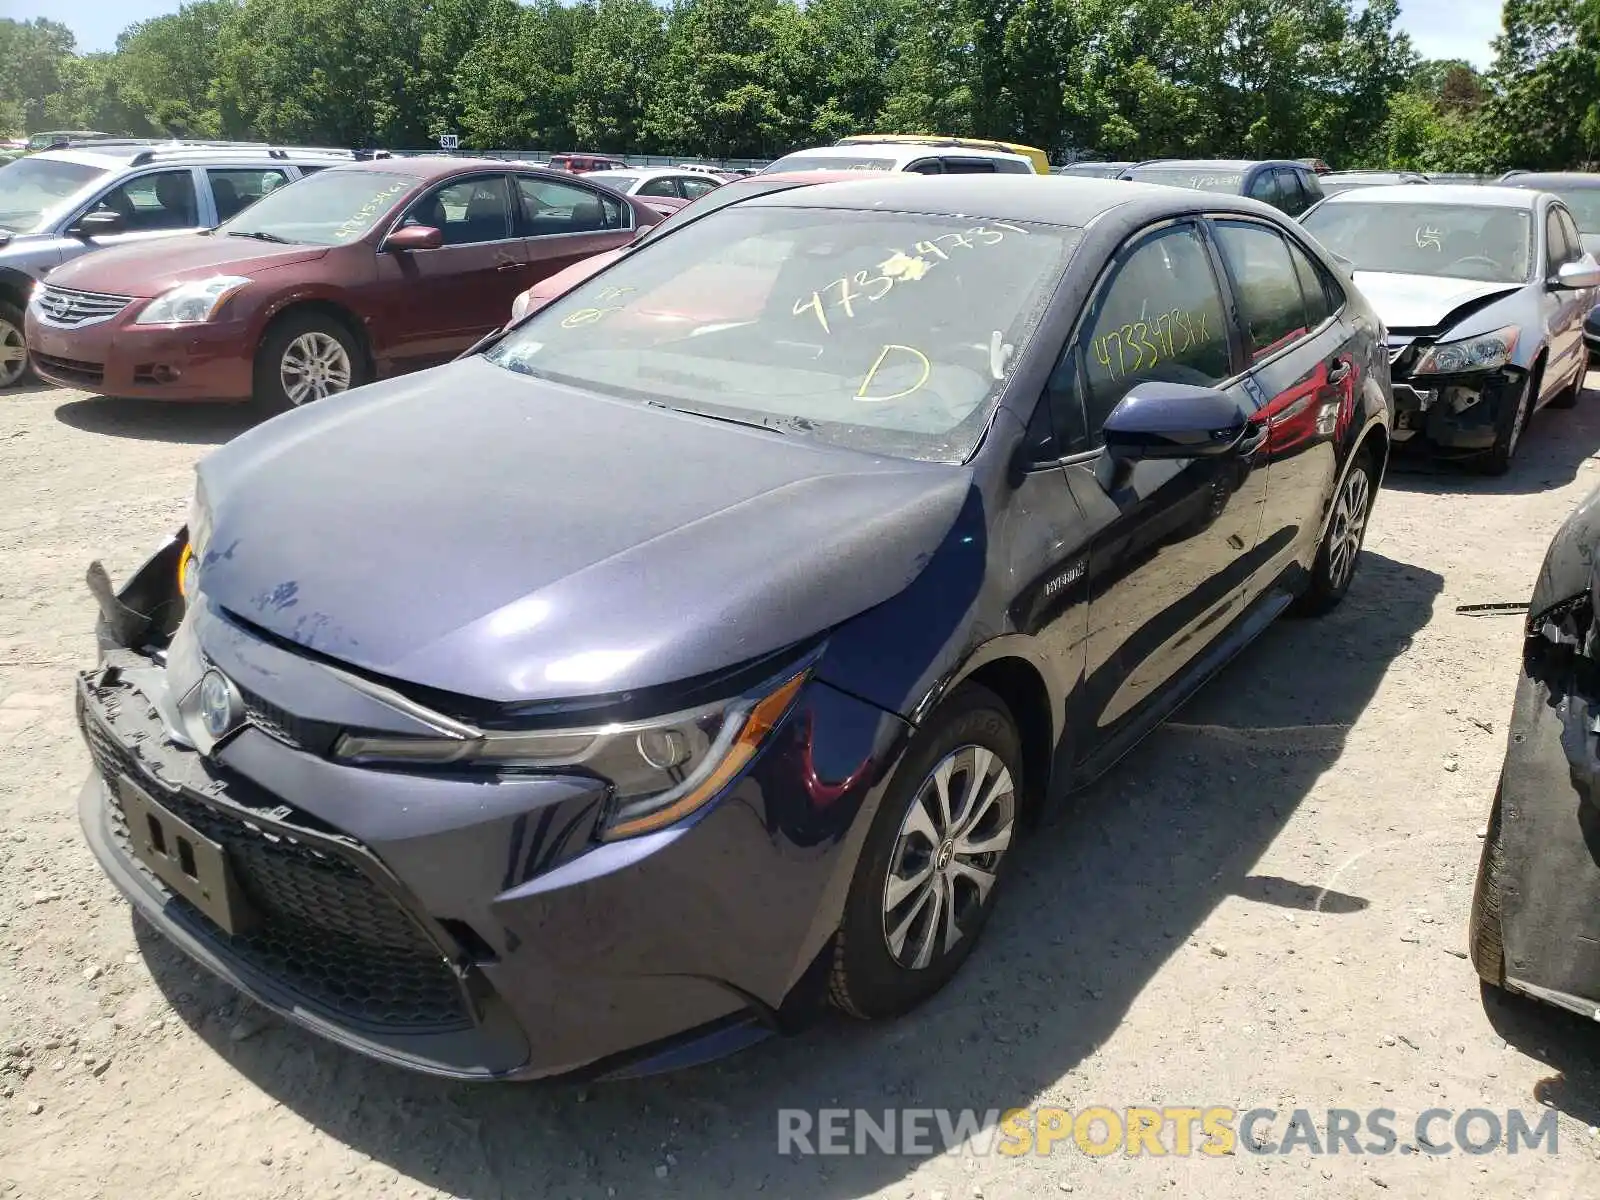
(1162, 944)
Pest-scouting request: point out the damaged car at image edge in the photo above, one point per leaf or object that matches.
(1535, 926)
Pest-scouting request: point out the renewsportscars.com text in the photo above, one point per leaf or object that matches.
(1179, 1130)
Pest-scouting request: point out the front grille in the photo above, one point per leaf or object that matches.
(75, 370)
(326, 930)
(68, 309)
(285, 725)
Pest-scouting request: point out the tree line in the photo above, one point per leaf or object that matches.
(1117, 79)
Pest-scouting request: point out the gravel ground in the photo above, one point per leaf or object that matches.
(1161, 944)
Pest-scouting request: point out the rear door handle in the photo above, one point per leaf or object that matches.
(510, 266)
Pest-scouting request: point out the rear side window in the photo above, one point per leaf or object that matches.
(1294, 199)
(550, 207)
(1159, 318)
(1323, 296)
(1007, 167)
(236, 188)
(1266, 285)
(1312, 186)
(659, 187)
(695, 188)
(969, 166)
(1264, 187)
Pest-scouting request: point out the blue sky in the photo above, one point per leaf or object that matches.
(1440, 28)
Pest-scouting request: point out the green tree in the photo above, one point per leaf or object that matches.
(616, 71)
(33, 56)
(514, 86)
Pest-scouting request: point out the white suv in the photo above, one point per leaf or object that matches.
(921, 158)
(64, 202)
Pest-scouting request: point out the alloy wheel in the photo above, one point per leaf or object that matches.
(947, 855)
(13, 354)
(1350, 514)
(314, 365)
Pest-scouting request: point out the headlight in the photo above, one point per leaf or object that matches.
(660, 770)
(191, 303)
(1486, 352)
(199, 536)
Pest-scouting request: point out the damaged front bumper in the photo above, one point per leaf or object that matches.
(1542, 856)
(1456, 412)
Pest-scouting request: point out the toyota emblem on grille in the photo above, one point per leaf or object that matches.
(219, 704)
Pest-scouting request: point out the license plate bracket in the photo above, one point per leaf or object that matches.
(183, 858)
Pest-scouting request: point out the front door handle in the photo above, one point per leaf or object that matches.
(510, 266)
(1251, 440)
(1340, 371)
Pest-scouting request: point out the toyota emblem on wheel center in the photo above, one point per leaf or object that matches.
(218, 703)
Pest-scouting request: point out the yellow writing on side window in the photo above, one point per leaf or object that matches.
(1143, 345)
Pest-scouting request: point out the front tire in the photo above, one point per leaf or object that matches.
(1335, 565)
(1508, 430)
(933, 860)
(13, 349)
(306, 357)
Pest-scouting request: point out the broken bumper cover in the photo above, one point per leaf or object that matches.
(1550, 832)
(469, 931)
(1460, 412)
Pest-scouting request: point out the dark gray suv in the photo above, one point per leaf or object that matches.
(67, 201)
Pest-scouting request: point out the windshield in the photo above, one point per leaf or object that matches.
(1455, 241)
(1201, 179)
(1332, 185)
(1585, 206)
(889, 332)
(31, 189)
(331, 208)
(825, 162)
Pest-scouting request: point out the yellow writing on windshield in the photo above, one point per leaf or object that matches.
(359, 221)
(900, 267)
(924, 365)
(587, 316)
(1143, 345)
(1429, 238)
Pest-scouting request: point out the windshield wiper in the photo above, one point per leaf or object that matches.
(748, 424)
(258, 234)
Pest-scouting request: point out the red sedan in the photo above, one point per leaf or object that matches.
(356, 273)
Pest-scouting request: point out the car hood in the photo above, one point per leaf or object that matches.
(1425, 301)
(496, 536)
(562, 281)
(150, 268)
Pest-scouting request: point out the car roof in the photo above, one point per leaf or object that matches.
(1546, 180)
(1047, 199)
(1225, 164)
(425, 167)
(642, 172)
(900, 152)
(1475, 194)
(119, 152)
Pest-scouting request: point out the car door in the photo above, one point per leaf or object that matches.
(1302, 380)
(154, 204)
(443, 300)
(562, 223)
(1292, 199)
(1264, 187)
(1565, 308)
(1170, 541)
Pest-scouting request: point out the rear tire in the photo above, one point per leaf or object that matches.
(927, 881)
(1337, 556)
(1483, 930)
(305, 357)
(14, 366)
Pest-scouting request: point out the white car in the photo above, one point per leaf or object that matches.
(670, 182)
(918, 157)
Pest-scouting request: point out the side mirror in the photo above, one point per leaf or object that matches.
(1585, 273)
(98, 224)
(1173, 420)
(414, 237)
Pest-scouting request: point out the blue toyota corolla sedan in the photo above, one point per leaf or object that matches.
(697, 652)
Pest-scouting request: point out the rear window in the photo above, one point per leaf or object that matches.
(890, 332)
(1200, 179)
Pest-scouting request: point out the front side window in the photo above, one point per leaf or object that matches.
(1265, 188)
(33, 189)
(1159, 318)
(234, 189)
(1585, 206)
(332, 208)
(659, 187)
(1457, 241)
(550, 206)
(969, 166)
(890, 332)
(695, 188)
(1266, 285)
(1574, 238)
(466, 211)
(161, 200)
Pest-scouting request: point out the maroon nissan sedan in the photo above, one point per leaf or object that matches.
(358, 272)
